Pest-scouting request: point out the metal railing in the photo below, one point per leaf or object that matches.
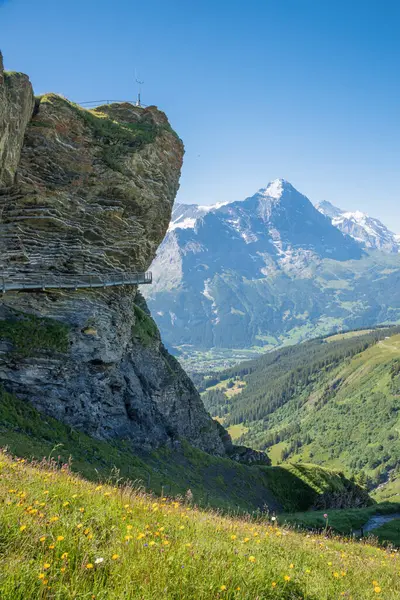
(34, 281)
(95, 103)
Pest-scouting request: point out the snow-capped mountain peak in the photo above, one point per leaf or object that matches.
(184, 216)
(275, 189)
(366, 230)
(327, 209)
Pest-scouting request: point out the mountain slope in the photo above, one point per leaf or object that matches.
(333, 401)
(264, 272)
(370, 232)
(213, 480)
(104, 541)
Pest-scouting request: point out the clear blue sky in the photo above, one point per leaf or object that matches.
(307, 90)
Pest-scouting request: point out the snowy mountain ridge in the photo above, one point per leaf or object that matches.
(368, 231)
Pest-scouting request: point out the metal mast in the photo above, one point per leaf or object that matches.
(140, 83)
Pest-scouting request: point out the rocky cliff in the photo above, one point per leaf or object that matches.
(92, 192)
(16, 107)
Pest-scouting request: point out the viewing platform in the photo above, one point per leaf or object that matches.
(20, 282)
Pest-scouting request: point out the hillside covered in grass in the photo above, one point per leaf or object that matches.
(63, 537)
(332, 401)
(213, 481)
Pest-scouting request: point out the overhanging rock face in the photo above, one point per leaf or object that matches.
(90, 192)
(94, 189)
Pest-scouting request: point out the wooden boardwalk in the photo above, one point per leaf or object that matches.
(31, 281)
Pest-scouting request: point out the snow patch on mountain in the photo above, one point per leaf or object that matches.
(185, 216)
(274, 189)
(187, 223)
(207, 294)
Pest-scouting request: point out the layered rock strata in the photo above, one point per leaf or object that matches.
(90, 192)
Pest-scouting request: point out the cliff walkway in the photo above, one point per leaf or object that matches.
(34, 281)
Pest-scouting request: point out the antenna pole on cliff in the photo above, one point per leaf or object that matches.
(140, 83)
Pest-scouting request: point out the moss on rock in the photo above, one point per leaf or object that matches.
(30, 334)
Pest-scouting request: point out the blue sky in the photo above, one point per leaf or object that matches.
(307, 90)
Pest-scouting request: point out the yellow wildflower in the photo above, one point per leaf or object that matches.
(22, 528)
(115, 557)
(64, 555)
(377, 589)
(273, 584)
(89, 566)
(222, 588)
(46, 566)
(60, 538)
(252, 559)
(287, 578)
(233, 537)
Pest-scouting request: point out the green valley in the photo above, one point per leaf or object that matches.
(332, 401)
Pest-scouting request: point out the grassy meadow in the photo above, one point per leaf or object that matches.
(62, 537)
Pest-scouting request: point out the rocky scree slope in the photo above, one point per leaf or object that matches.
(90, 191)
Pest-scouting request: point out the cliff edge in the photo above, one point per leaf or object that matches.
(90, 191)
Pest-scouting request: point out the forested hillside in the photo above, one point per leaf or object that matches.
(332, 401)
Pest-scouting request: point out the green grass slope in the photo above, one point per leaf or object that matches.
(216, 482)
(333, 401)
(62, 537)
